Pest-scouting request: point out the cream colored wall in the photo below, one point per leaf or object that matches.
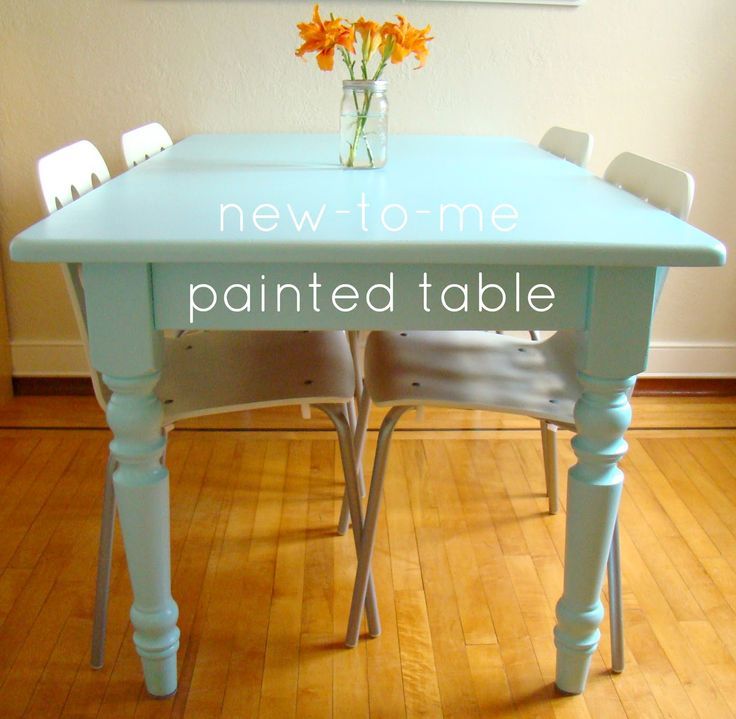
(649, 76)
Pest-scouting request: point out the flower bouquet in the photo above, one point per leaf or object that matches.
(364, 110)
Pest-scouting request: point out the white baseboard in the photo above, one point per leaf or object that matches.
(67, 359)
(691, 360)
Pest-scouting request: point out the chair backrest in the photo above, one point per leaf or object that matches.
(663, 186)
(144, 142)
(66, 175)
(660, 185)
(570, 145)
(69, 173)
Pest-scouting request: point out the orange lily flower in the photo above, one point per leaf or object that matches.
(371, 33)
(406, 39)
(323, 36)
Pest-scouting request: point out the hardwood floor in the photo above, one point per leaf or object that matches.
(467, 570)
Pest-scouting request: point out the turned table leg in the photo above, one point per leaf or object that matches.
(142, 492)
(602, 415)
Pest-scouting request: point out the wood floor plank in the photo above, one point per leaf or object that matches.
(532, 696)
(486, 462)
(448, 643)
(255, 488)
(717, 463)
(475, 617)
(51, 692)
(317, 605)
(489, 680)
(281, 670)
(421, 687)
(250, 631)
(635, 693)
(671, 697)
(399, 516)
(423, 504)
(601, 696)
(12, 582)
(536, 610)
(14, 453)
(725, 677)
(27, 494)
(508, 620)
(208, 681)
(317, 641)
(515, 468)
(314, 690)
(677, 509)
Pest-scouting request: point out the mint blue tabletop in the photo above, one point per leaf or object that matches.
(170, 209)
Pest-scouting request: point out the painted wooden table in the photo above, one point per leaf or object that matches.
(267, 231)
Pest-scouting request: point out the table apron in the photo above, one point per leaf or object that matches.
(292, 296)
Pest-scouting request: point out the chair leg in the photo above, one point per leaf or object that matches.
(615, 602)
(358, 444)
(339, 417)
(365, 554)
(545, 452)
(364, 408)
(104, 563)
(354, 341)
(344, 522)
(352, 418)
(168, 429)
(549, 451)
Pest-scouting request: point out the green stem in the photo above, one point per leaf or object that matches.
(384, 58)
(350, 64)
(360, 123)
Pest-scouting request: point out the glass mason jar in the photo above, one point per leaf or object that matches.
(363, 123)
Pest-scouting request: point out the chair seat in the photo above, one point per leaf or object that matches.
(475, 370)
(212, 372)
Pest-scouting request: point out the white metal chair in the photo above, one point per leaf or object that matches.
(144, 142)
(576, 147)
(534, 378)
(212, 372)
(69, 173)
(570, 145)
